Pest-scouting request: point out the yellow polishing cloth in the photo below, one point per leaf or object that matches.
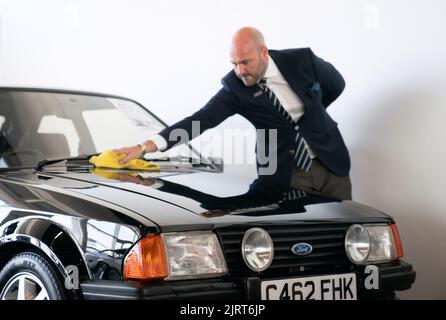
(109, 159)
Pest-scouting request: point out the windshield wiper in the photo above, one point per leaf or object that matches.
(214, 163)
(49, 161)
(179, 159)
(175, 159)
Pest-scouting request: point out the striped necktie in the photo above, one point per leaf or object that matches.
(301, 154)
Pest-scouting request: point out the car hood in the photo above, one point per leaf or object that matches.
(193, 199)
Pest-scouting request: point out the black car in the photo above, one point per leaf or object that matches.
(190, 230)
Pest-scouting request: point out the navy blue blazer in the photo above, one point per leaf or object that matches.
(316, 82)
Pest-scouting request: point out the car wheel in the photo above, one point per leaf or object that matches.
(29, 276)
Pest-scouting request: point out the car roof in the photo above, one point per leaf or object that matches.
(61, 90)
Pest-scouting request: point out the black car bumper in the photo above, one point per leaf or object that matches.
(205, 289)
(393, 277)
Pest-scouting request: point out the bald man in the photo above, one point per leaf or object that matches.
(281, 91)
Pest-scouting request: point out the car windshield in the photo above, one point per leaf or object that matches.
(36, 125)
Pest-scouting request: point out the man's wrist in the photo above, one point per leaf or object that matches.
(143, 148)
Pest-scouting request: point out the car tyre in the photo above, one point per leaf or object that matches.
(29, 276)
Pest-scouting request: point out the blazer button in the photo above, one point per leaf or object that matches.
(292, 151)
(296, 127)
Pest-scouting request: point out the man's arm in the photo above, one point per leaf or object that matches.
(332, 82)
(220, 107)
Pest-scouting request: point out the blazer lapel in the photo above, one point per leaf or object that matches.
(297, 79)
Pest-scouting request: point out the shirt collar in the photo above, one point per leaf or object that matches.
(271, 70)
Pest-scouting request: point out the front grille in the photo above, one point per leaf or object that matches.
(327, 240)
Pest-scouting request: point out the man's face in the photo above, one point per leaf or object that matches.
(249, 62)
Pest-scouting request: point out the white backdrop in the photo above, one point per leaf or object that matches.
(170, 56)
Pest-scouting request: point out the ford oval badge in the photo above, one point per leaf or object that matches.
(301, 249)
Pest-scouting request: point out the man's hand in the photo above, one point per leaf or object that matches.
(135, 151)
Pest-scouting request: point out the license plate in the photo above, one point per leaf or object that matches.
(332, 287)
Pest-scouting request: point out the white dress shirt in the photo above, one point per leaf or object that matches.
(287, 97)
(159, 141)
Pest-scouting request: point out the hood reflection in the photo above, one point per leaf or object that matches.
(259, 200)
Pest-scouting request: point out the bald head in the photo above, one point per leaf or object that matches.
(248, 36)
(249, 55)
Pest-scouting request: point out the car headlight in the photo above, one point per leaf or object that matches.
(174, 256)
(195, 254)
(257, 249)
(357, 243)
(372, 243)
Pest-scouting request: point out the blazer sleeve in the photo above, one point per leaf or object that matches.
(221, 106)
(331, 81)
